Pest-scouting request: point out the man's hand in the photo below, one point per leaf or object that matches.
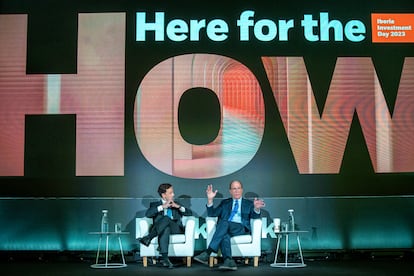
(258, 204)
(170, 204)
(210, 194)
(174, 205)
(167, 204)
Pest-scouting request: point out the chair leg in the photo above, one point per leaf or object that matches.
(188, 261)
(144, 261)
(211, 261)
(256, 261)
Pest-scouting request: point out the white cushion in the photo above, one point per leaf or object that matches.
(241, 239)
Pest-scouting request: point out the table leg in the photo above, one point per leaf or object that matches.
(277, 248)
(122, 251)
(286, 250)
(300, 249)
(99, 246)
(106, 250)
(286, 263)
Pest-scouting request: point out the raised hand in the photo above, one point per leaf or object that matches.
(211, 194)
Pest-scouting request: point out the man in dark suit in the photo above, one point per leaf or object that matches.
(233, 218)
(166, 214)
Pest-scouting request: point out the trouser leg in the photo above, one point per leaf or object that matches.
(221, 230)
(225, 246)
(164, 239)
(221, 239)
(165, 228)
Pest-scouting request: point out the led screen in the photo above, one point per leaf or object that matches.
(311, 99)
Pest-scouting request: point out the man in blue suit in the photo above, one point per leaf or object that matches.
(166, 214)
(233, 218)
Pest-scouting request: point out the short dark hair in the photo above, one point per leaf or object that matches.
(163, 188)
(235, 180)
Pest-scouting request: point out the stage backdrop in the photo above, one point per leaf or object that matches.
(309, 104)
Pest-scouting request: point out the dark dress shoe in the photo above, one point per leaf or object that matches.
(145, 240)
(167, 263)
(202, 258)
(228, 264)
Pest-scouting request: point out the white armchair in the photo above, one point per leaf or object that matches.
(181, 245)
(241, 246)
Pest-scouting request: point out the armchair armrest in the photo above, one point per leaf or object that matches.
(210, 228)
(256, 225)
(142, 226)
(189, 225)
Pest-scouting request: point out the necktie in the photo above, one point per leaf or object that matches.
(169, 213)
(235, 209)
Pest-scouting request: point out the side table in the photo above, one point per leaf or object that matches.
(107, 264)
(287, 264)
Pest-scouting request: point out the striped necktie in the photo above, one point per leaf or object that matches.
(235, 209)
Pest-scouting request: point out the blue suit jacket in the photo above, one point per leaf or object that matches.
(223, 211)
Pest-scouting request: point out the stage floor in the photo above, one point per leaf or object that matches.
(349, 266)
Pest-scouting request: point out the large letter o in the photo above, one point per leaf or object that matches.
(156, 116)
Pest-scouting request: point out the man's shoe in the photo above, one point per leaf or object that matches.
(202, 258)
(167, 263)
(228, 264)
(145, 240)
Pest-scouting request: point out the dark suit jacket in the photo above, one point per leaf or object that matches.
(153, 213)
(223, 211)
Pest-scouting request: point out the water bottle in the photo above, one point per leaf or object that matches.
(104, 221)
(291, 220)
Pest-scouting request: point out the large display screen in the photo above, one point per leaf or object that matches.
(312, 98)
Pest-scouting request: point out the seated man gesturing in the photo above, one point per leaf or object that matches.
(233, 218)
(166, 214)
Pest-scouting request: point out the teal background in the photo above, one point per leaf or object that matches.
(333, 223)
